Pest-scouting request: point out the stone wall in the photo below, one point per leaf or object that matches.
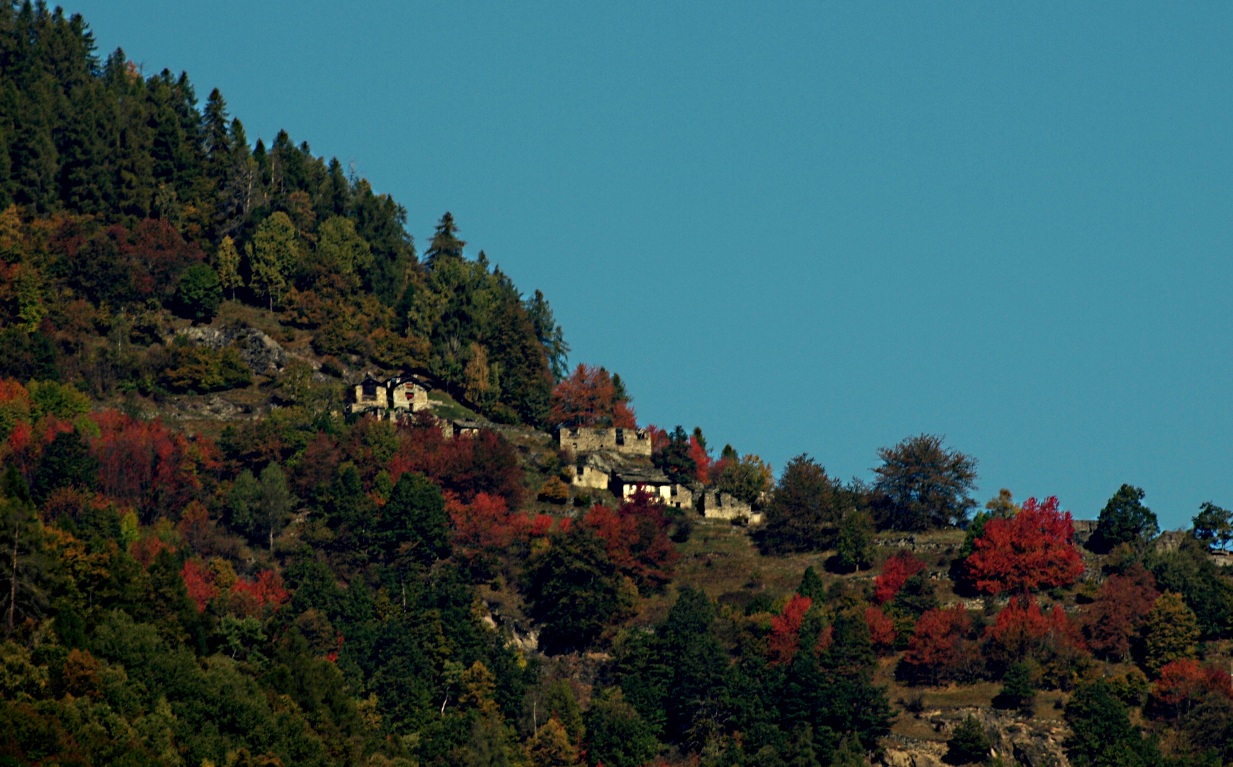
(597, 439)
(717, 505)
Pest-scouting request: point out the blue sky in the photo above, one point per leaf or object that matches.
(808, 227)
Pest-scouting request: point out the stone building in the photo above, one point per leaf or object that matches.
(400, 394)
(717, 505)
(592, 439)
(627, 481)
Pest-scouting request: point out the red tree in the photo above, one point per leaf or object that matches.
(1022, 630)
(200, 583)
(895, 572)
(881, 629)
(1113, 620)
(589, 397)
(636, 537)
(942, 647)
(485, 527)
(1183, 682)
(785, 636)
(463, 466)
(1032, 550)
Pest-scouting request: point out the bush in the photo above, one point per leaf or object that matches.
(969, 743)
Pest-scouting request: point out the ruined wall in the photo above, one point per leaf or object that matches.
(597, 439)
(592, 477)
(717, 505)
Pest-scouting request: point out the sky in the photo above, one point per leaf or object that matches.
(808, 227)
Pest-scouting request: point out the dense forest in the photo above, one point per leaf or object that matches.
(209, 558)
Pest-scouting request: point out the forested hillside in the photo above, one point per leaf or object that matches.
(211, 556)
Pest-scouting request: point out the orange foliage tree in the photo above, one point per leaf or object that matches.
(942, 647)
(636, 538)
(1023, 631)
(590, 397)
(1032, 550)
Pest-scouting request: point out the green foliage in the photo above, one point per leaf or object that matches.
(924, 484)
(1213, 525)
(854, 548)
(413, 524)
(199, 293)
(1170, 632)
(1124, 519)
(1206, 589)
(968, 743)
(202, 369)
(573, 589)
(617, 735)
(747, 479)
(805, 509)
(1102, 734)
(1019, 686)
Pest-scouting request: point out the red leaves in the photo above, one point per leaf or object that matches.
(1184, 681)
(465, 467)
(485, 527)
(1022, 630)
(896, 572)
(250, 598)
(146, 465)
(589, 397)
(1030, 551)
(881, 629)
(636, 538)
(200, 583)
(698, 454)
(784, 639)
(1113, 620)
(942, 647)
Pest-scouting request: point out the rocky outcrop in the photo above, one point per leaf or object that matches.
(1027, 742)
(262, 354)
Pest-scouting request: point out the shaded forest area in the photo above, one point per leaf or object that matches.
(296, 586)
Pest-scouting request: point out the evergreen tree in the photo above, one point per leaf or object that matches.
(968, 743)
(804, 511)
(854, 547)
(1124, 519)
(1102, 734)
(445, 243)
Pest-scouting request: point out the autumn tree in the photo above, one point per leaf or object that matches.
(1029, 551)
(1124, 519)
(895, 573)
(924, 484)
(746, 478)
(1113, 621)
(227, 264)
(588, 397)
(1024, 632)
(1170, 632)
(942, 648)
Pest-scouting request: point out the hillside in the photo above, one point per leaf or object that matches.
(280, 490)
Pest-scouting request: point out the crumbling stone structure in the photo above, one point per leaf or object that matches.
(586, 439)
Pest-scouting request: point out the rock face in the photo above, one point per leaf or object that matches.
(1016, 740)
(262, 354)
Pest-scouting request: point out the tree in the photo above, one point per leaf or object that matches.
(573, 590)
(274, 500)
(551, 746)
(1114, 620)
(855, 545)
(805, 509)
(549, 333)
(588, 397)
(924, 484)
(941, 647)
(968, 743)
(25, 564)
(1170, 632)
(273, 254)
(445, 243)
(1213, 525)
(227, 264)
(199, 292)
(413, 522)
(1030, 551)
(1101, 732)
(747, 478)
(617, 735)
(1124, 519)
(676, 457)
(895, 573)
